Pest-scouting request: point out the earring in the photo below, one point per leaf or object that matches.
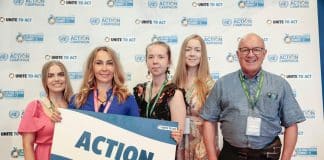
(168, 74)
(148, 76)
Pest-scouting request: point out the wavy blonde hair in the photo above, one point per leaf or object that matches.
(203, 74)
(89, 79)
(68, 91)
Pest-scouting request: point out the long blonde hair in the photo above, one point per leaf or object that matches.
(203, 74)
(68, 91)
(89, 79)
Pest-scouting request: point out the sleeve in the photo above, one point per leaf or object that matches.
(72, 103)
(210, 111)
(30, 121)
(290, 111)
(133, 107)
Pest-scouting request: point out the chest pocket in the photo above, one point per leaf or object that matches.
(269, 106)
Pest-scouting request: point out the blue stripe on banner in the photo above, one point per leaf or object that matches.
(161, 130)
(59, 157)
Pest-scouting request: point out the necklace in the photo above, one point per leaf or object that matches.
(52, 106)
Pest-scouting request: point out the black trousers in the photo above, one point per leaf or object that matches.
(270, 152)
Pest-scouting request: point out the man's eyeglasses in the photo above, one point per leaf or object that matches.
(255, 50)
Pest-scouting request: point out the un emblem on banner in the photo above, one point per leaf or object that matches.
(14, 114)
(20, 38)
(62, 2)
(63, 38)
(107, 39)
(194, 4)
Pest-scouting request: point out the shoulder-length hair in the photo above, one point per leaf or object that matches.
(203, 74)
(68, 91)
(89, 79)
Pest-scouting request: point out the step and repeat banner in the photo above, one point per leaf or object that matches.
(36, 31)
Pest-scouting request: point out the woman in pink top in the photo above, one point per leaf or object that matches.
(37, 124)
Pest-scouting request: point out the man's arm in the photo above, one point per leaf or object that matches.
(209, 132)
(290, 139)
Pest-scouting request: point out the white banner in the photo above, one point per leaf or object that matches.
(90, 135)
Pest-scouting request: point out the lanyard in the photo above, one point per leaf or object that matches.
(252, 100)
(156, 99)
(107, 106)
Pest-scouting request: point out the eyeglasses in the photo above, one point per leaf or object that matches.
(256, 50)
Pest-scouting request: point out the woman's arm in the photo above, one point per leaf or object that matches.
(28, 140)
(178, 113)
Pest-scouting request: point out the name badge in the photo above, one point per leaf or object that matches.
(253, 126)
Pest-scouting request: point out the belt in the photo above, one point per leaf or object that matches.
(271, 151)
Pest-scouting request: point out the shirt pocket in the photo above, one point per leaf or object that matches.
(270, 105)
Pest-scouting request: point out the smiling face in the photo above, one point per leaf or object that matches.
(157, 60)
(251, 53)
(55, 79)
(193, 53)
(103, 67)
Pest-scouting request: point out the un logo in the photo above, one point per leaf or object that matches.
(63, 38)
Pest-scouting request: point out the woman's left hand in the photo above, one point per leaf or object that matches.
(177, 135)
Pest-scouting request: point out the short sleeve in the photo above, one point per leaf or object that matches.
(30, 121)
(211, 109)
(133, 107)
(290, 112)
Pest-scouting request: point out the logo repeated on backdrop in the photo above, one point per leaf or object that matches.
(120, 3)
(151, 21)
(12, 94)
(14, 57)
(74, 2)
(9, 133)
(126, 39)
(309, 114)
(170, 39)
(33, 3)
(213, 39)
(194, 21)
(139, 58)
(75, 75)
(251, 4)
(294, 3)
(297, 38)
(61, 57)
(65, 20)
(231, 57)
(215, 75)
(297, 76)
(105, 21)
(163, 4)
(30, 38)
(128, 76)
(17, 152)
(74, 39)
(282, 21)
(305, 152)
(207, 4)
(237, 22)
(24, 75)
(16, 19)
(283, 58)
(16, 114)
